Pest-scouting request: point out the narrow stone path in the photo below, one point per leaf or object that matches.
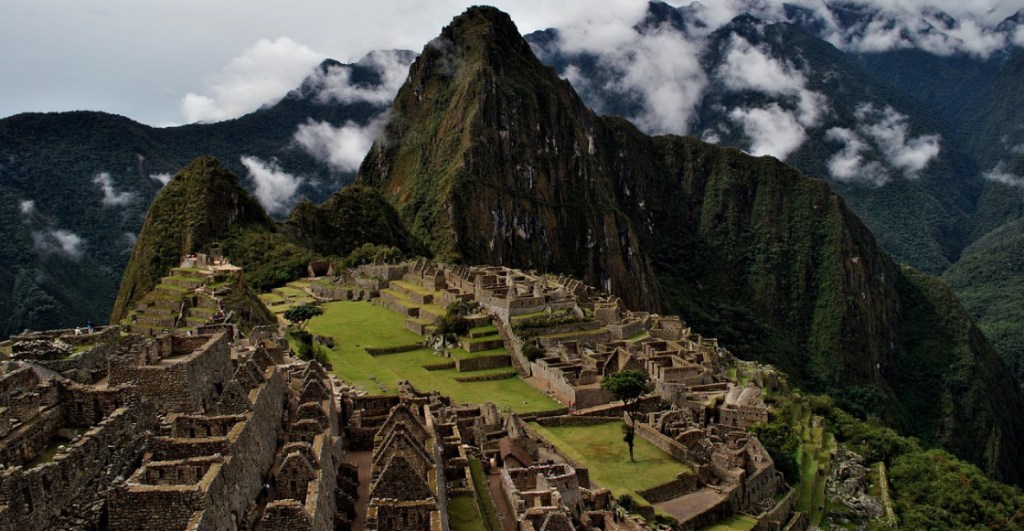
(508, 521)
(362, 461)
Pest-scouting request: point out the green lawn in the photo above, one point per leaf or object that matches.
(490, 514)
(736, 523)
(357, 325)
(463, 514)
(601, 449)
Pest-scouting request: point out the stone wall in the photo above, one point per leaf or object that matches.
(683, 484)
(514, 346)
(184, 379)
(386, 272)
(63, 491)
(483, 363)
(626, 329)
(777, 517)
(553, 380)
(575, 420)
(582, 472)
(397, 349)
(486, 377)
(663, 442)
(585, 338)
(236, 479)
(90, 365)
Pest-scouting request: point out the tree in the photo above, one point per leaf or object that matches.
(628, 386)
(301, 314)
(454, 323)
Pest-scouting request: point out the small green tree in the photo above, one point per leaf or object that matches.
(301, 314)
(628, 386)
(454, 322)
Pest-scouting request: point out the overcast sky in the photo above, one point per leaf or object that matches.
(165, 62)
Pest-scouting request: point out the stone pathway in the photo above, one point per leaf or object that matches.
(508, 521)
(362, 460)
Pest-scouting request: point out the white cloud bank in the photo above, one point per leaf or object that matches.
(341, 147)
(772, 131)
(60, 242)
(886, 134)
(1000, 175)
(261, 75)
(111, 197)
(336, 84)
(659, 66)
(275, 188)
(162, 178)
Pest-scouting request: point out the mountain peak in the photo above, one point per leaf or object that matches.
(190, 214)
(491, 158)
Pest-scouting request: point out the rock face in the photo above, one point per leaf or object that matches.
(490, 158)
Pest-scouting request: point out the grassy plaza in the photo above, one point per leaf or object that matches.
(358, 325)
(601, 449)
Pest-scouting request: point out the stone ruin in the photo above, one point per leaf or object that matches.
(177, 432)
(698, 413)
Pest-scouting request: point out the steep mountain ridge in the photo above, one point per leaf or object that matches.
(470, 186)
(490, 157)
(191, 214)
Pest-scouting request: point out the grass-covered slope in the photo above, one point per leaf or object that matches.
(195, 211)
(989, 279)
(491, 158)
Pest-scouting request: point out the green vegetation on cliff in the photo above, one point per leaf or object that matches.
(989, 280)
(193, 213)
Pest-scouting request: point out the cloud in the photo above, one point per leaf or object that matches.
(891, 135)
(1000, 175)
(772, 130)
(275, 188)
(342, 147)
(745, 67)
(163, 178)
(658, 66)
(111, 197)
(336, 84)
(261, 75)
(27, 207)
(1018, 35)
(131, 238)
(849, 164)
(882, 135)
(60, 241)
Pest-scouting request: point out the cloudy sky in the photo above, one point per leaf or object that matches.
(168, 62)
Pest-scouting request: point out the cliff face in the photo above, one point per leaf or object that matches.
(196, 209)
(489, 157)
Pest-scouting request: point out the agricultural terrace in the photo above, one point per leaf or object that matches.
(355, 326)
